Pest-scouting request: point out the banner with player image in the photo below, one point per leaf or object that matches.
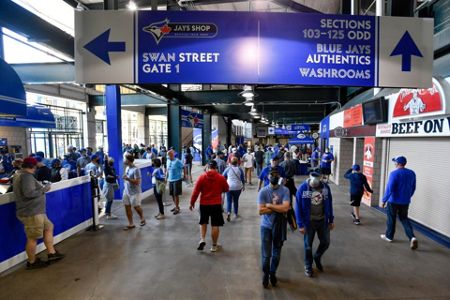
(369, 155)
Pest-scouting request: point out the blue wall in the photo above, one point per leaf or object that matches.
(66, 208)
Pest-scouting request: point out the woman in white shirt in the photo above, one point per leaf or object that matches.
(236, 182)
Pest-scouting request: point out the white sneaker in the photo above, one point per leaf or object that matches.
(383, 237)
(160, 217)
(111, 217)
(214, 248)
(414, 243)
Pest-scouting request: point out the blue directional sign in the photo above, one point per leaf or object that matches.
(252, 48)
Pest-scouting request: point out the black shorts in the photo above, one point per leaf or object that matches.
(175, 188)
(213, 211)
(355, 200)
(325, 171)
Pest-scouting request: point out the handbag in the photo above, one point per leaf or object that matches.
(160, 187)
(290, 216)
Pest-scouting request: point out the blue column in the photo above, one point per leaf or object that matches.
(206, 135)
(114, 125)
(174, 127)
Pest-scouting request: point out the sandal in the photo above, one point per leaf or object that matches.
(143, 223)
(129, 227)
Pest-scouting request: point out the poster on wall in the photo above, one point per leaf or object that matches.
(191, 119)
(353, 116)
(261, 132)
(369, 154)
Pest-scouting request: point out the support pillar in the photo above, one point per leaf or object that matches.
(229, 131)
(174, 127)
(146, 129)
(114, 125)
(206, 135)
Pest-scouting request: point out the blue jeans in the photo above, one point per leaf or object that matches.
(258, 169)
(270, 251)
(233, 196)
(323, 233)
(402, 211)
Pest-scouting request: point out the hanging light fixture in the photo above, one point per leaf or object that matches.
(247, 92)
(132, 5)
(249, 101)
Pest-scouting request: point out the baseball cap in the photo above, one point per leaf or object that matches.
(356, 168)
(212, 164)
(314, 174)
(31, 161)
(38, 158)
(400, 160)
(275, 157)
(94, 156)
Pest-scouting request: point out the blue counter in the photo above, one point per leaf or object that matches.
(69, 207)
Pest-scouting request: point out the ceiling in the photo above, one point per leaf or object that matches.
(282, 103)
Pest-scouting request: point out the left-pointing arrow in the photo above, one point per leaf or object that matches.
(101, 46)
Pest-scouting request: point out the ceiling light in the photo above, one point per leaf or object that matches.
(247, 92)
(131, 5)
(249, 101)
(256, 116)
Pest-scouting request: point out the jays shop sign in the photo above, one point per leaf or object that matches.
(252, 48)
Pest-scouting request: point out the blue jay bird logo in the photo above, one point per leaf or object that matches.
(158, 29)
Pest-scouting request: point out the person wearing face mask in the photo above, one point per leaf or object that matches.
(248, 159)
(314, 214)
(274, 202)
(325, 164)
(264, 177)
(110, 185)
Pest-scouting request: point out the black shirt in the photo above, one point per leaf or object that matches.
(43, 173)
(259, 157)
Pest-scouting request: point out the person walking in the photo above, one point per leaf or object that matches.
(399, 190)
(325, 164)
(110, 185)
(289, 166)
(236, 181)
(210, 186)
(259, 160)
(315, 159)
(159, 187)
(314, 214)
(31, 212)
(264, 177)
(132, 192)
(273, 201)
(175, 178)
(248, 159)
(358, 182)
(188, 158)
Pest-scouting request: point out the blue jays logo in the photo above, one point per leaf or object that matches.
(168, 29)
(158, 29)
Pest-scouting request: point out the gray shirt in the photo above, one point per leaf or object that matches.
(132, 173)
(29, 195)
(317, 207)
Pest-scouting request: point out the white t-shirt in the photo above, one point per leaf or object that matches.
(248, 160)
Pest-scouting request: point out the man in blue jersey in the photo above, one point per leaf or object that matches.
(264, 176)
(325, 164)
(399, 190)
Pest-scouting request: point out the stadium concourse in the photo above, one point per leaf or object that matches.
(160, 261)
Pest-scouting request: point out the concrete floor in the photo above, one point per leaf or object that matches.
(160, 261)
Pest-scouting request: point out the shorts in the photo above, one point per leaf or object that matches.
(133, 200)
(325, 171)
(188, 168)
(355, 200)
(175, 188)
(213, 211)
(35, 226)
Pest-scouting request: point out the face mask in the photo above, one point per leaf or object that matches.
(314, 181)
(274, 180)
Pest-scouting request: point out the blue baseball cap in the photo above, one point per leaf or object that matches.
(94, 156)
(275, 156)
(356, 168)
(400, 160)
(38, 158)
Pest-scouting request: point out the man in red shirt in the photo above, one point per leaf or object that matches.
(210, 185)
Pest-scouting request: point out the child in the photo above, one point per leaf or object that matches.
(358, 182)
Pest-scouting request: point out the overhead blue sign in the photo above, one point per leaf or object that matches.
(300, 127)
(325, 128)
(252, 48)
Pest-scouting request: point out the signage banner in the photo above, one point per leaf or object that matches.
(197, 138)
(299, 127)
(190, 119)
(420, 128)
(325, 128)
(261, 132)
(353, 116)
(271, 131)
(3, 142)
(252, 48)
(369, 155)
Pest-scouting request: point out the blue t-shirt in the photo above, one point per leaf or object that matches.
(174, 170)
(267, 195)
(326, 160)
(264, 176)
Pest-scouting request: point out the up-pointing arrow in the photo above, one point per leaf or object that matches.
(101, 46)
(406, 48)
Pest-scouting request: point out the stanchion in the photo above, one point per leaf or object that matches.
(95, 196)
